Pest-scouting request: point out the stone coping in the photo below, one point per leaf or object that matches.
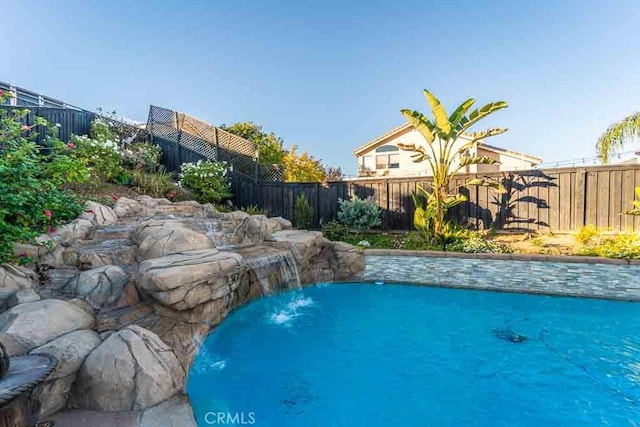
(591, 280)
(514, 257)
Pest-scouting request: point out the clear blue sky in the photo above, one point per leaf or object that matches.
(331, 75)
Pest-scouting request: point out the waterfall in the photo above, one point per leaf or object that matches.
(275, 271)
(220, 239)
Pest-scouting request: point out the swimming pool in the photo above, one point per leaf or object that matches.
(400, 355)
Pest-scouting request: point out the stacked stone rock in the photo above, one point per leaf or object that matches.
(129, 295)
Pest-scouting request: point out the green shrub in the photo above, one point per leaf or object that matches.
(254, 210)
(335, 231)
(358, 214)
(154, 184)
(33, 181)
(587, 234)
(142, 155)
(99, 152)
(208, 180)
(302, 213)
(475, 242)
(624, 245)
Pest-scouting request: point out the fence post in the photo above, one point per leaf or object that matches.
(215, 141)
(581, 197)
(317, 202)
(179, 134)
(388, 205)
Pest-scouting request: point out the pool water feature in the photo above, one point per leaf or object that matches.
(398, 355)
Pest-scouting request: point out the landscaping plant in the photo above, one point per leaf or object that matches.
(359, 214)
(449, 148)
(207, 180)
(99, 151)
(154, 184)
(34, 197)
(302, 213)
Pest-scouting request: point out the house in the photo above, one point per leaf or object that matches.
(382, 157)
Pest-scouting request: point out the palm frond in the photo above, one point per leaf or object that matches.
(616, 135)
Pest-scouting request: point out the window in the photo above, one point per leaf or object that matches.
(386, 149)
(394, 161)
(382, 161)
(367, 163)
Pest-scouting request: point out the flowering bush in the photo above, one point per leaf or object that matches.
(624, 245)
(33, 197)
(358, 214)
(208, 180)
(141, 156)
(99, 151)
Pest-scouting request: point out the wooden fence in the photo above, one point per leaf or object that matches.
(551, 199)
(70, 121)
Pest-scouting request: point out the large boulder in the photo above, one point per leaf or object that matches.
(347, 261)
(125, 207)
(100, 286)
(175, 412)
(131, 370)
(186, 280)
(304, 245)
(51, 396)
(99, 214)
(258, 228)
(23, 296)
(14, 279)
(152, 227)
(93, 254)
(78, 229)
(35, 323)
(171, 240)
(70, 350)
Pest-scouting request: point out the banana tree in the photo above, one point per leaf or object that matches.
(447, 150)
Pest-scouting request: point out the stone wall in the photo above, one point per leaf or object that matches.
(125, 296)
(584, 277)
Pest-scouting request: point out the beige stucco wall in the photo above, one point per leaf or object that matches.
(409, 168)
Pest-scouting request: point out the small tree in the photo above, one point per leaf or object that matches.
(302, 167)
(448, 149)
(271, 146)
(302, 213)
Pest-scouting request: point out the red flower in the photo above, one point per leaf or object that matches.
(89, 211)
(25, 128)
(114, 197)
(1, 93)
(23, 254)
(71, 145)
(52, 229)
(48, 214)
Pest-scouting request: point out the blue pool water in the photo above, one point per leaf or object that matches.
(394, 355)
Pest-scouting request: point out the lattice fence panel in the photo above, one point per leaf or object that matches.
(239, 152)
(271, 173)
(194, 138)
(198, 136)
(163, 123)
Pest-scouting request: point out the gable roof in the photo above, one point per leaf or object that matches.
(405, 128)
(397, 131)
(527, 157)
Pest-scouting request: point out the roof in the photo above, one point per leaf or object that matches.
(384, 137)
(512, 153)
(402, 129)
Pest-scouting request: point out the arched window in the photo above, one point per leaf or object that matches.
(387, 148)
